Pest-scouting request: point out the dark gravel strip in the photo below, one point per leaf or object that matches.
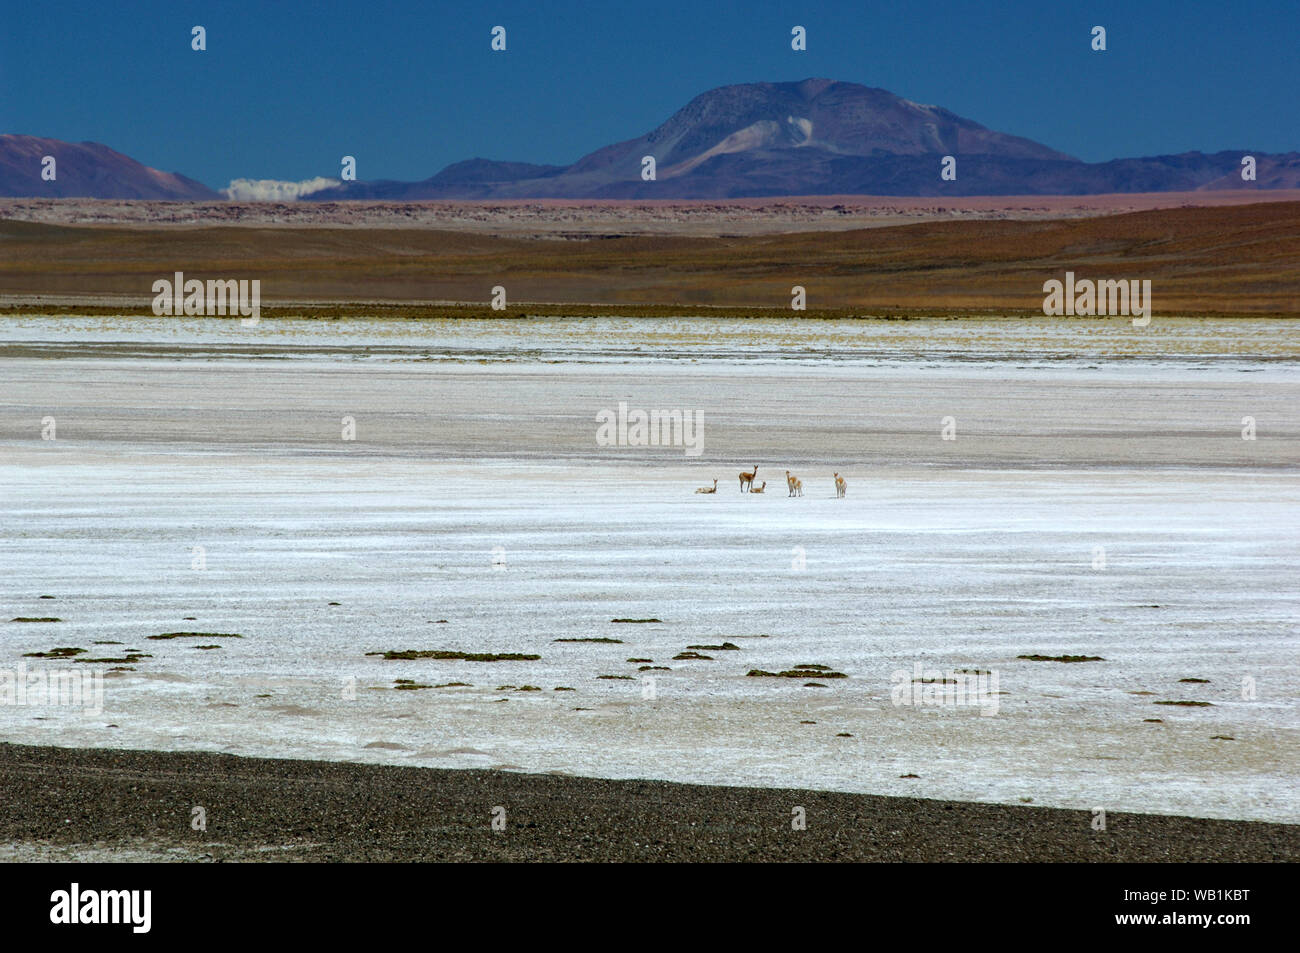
(329, 811)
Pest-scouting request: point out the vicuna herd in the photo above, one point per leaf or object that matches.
(794, 485)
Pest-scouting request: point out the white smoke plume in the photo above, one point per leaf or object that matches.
(274, 190)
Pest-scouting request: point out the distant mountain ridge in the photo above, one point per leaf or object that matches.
(814, 137)
(822, 137)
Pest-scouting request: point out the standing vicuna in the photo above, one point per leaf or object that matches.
(840, 485)
(758, 489)
(709, 489)
(794, 484)
(747, 479)
(789, 484)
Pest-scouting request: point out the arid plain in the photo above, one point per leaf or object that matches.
(1203, 252)
(473, 489)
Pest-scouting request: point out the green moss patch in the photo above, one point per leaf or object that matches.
(61, 652)
(35, 618)
(1062, 658)
(195, 635)
(610, 641)
(445, 656)
(635, 621)
(1186, 704)
(724, 647)
(692, 656)
(799, 671)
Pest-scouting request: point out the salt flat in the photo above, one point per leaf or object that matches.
(475, 492)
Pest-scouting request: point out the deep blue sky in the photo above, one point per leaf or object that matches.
(285, 89)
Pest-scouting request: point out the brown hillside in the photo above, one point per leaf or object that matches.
(1243, 258)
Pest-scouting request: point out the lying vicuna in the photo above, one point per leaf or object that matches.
(758, 489)
(709, 489)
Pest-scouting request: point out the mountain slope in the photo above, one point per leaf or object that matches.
(818, 114)
(86, 170)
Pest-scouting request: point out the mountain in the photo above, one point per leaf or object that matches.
(822, 137)
(86, 170)
(473, 178)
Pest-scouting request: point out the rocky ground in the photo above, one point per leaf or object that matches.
(64, 804)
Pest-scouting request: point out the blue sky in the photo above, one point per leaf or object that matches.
(285, 89)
